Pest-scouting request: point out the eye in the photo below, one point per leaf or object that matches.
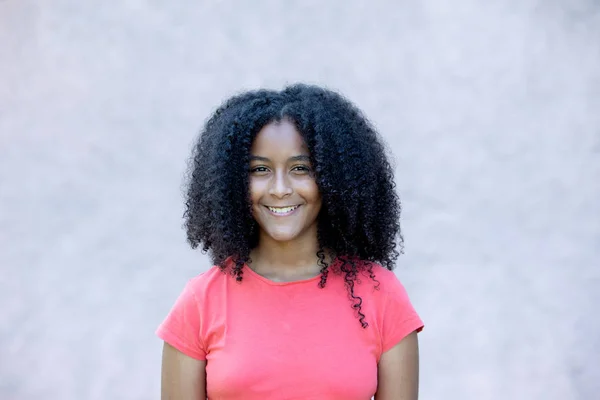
(259, 170)
(301, 169)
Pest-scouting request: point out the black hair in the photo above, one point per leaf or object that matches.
(359, 221)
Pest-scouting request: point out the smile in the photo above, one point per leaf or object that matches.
(282, 211)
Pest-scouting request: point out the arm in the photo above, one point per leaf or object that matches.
(183, 377)
(398, 371)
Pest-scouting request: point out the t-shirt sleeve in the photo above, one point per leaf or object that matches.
(399, 318)
(181, 327)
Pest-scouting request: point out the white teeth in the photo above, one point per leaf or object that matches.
(283, 210)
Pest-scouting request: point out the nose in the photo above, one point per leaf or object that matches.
(280, 185)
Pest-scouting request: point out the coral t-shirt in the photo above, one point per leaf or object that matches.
(289, 340)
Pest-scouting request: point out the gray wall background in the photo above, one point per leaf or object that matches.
(492, 110)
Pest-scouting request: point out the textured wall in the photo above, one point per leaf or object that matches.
(491, 108)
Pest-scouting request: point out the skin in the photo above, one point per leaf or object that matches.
(183, 377)
(398, 371)
(280, 176)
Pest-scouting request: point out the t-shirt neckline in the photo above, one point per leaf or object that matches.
(256, 275)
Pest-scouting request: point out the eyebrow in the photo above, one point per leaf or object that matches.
(294, 158)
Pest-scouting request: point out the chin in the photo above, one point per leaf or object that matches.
(282, 236)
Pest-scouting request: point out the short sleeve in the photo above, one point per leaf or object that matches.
(399, 318)
(181, 327)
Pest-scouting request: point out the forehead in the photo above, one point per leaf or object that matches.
(279, 138)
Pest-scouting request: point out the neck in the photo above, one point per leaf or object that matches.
(286, 259)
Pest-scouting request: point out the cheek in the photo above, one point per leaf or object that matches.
(255, 191)
(310, 192)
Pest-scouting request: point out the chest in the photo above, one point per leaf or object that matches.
(291, 346)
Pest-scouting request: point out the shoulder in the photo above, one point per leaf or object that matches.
(387, 280)
(373, 281)
(214, 274)
(382, 272)
(207, 281)
(372, 273)
(383, 286)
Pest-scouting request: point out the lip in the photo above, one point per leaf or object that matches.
(283, 215)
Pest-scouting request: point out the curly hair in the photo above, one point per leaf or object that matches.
(359, 221)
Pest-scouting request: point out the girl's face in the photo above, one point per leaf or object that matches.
(285, 197)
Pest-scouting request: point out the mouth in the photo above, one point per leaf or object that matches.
(282, 211)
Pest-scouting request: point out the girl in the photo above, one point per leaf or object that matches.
(291, 194)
